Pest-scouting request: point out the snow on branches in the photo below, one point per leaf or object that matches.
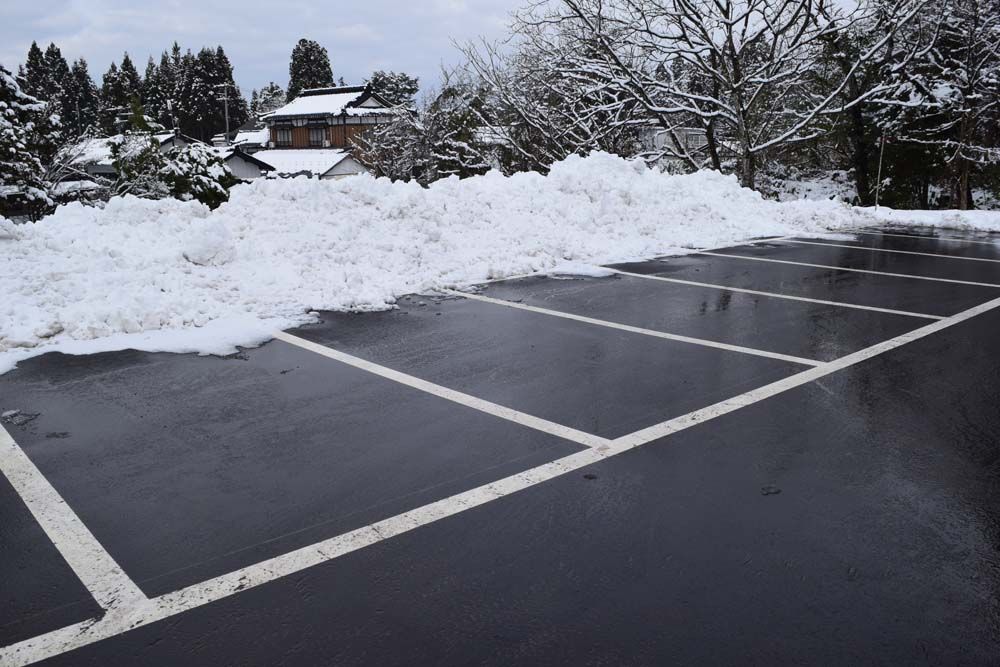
(21, 170)
(744, 71)
(949, 99)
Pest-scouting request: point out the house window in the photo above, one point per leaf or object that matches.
(317, 135)
(283, 137)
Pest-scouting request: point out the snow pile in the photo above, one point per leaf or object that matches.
(983, 221)
(171, 275)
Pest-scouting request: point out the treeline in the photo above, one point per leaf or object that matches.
(904, 95)
(184, 90)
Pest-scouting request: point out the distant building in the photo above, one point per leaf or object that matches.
(324, 164)
(690, 140)
(243, 166)
(326, 118)
(250, 137)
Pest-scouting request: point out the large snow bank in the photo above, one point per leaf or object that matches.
(174, 276)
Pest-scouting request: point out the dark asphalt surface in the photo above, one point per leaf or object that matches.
(599, 380)
(864, 289)
(808, 330)
(850, 258)
(877, 540)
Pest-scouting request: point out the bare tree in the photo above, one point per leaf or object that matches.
(743, 69)
(546, 99)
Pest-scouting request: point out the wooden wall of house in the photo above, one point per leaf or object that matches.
(341, 135)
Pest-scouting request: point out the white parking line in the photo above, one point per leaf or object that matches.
(776, 295)
(898, 252)
(92, 564)
(843, 268)
(957, 239)
(638, 330)
(143, 612)
(522, 418)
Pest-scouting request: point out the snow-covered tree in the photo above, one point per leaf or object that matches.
(544, 100)
(309, 68)
(138, 164)
(34, 78)
(81, 104)
(755, 60)
(454, 130)
(270, 97)
(114, 99)
(130, 80)
(396, 149)
(398, 89)
(948, 102)
(155, 93)
(443, 138)
(120, 86)
(21, 170)
(196, 172)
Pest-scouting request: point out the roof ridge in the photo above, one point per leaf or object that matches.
(332, 90)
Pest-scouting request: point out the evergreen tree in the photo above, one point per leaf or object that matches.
(53, 81)
(239, 113)
(196, 172)
(164, 89)
(138, 163)
(269, 98)
(81, 105)
(20, 167)
(309, 68)
(114, 99)
(33, 76)
(153, 98)
(130, 80)
(396, 89)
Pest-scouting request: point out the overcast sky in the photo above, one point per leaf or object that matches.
(361, 35)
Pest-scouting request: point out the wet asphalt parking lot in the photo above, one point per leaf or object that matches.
(781, 452)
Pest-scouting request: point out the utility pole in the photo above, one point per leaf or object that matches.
(878, 185)
(225, 105)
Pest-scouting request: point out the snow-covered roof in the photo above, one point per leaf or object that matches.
(352, 100)
(315, 161)
(95, 150)
(258, 136)
(227, 152)
(69, 187)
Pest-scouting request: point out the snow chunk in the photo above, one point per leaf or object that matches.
(579, 270)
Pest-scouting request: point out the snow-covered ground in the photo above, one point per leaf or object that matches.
(173, 276)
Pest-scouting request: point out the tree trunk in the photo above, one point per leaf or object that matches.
(860, 149)
(963, 189)
(748, 169)
(713, 148)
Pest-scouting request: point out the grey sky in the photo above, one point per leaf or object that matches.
(361, 35)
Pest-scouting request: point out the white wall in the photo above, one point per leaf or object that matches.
(346, 167)
(243, 169)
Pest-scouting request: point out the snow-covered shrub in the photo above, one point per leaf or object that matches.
(196, 172)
